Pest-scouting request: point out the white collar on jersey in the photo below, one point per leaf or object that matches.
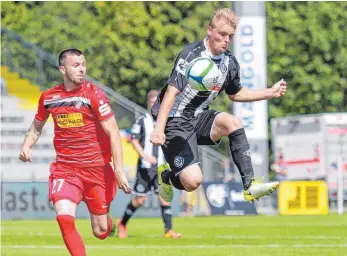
(210, 54)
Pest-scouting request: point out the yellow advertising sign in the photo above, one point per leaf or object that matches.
(69, 120)
(303, 198)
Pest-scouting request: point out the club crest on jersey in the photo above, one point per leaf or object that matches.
(223, 68)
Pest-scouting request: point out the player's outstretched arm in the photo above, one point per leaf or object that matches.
(110, 126)
(31, 137)
(247, 95)
(158, 135)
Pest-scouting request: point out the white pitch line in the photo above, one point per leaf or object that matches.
(42, 234)
(281, 237)
(193, 246)
(230, 225)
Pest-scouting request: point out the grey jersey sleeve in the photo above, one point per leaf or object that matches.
(137, 131)
(177, 78)
(234, 84)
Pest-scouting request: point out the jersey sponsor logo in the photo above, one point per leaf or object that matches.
(104, 109)
(179, 161)
(216, 88)
(69, 120)
(182, 66)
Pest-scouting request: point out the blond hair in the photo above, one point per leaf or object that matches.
(226, 14)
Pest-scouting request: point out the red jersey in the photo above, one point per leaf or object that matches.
(79, 138)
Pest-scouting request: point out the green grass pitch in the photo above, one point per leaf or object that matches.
(248, 235)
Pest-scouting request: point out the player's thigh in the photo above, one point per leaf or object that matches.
(180, 148)
(206, 123)
(65, 207)
(99, 195)
(65, 188)
(224, 124)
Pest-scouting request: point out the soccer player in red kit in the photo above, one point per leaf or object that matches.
(86, 137)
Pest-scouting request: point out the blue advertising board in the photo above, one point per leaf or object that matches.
(227, 199)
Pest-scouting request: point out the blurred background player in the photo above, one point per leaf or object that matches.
(184, 120)
(86, 136)
(150, 157)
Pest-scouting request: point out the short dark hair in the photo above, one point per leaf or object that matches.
(66, 52)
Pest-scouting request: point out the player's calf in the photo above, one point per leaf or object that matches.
(72, 238)
(102, 230)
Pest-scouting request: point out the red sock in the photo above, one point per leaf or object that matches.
(72, 238)
(109, 228)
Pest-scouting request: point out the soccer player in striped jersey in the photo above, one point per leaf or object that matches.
(150, 158)
(184, 120)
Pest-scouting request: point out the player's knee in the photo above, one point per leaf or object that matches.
(100, 231)
(191, 177)
(235, 124)
(192, 184)
(138, 201)
(226, 123)
(231, 123)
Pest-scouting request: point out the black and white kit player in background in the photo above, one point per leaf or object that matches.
(184, 121)
(150, 158)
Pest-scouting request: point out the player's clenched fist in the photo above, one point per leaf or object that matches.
(122, 182)
(158, 138)
(25, 154)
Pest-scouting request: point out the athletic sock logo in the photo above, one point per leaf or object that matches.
(247, 153)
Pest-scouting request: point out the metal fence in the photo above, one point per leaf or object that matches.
(40, 67)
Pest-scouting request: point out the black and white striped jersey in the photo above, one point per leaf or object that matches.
(141, 131)
(191, 102)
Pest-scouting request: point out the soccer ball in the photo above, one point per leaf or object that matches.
(202, 74)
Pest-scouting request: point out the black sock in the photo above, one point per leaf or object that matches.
(165, 176)
(166, 214)
(129, 211)
(241, 153)
(169, 177)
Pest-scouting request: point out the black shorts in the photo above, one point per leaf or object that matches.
(183, 135)
(146, 182)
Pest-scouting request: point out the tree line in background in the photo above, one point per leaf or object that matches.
(131, 46)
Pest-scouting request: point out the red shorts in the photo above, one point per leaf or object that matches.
(96, 186)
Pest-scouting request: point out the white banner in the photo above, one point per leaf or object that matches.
(250, 51)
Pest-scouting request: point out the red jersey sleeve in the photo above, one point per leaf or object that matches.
(42, 113)
(101, 105)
